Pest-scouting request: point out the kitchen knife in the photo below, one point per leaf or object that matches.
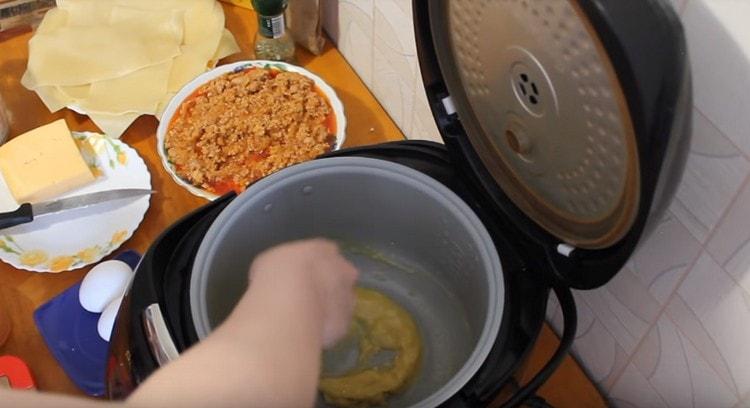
(27, 211)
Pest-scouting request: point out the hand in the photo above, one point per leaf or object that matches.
(299, 300)
(318, 263)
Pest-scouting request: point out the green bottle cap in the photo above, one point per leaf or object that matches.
(269, 7)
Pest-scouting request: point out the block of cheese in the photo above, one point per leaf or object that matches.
(43, 163)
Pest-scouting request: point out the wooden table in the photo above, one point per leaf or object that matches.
(21, 292)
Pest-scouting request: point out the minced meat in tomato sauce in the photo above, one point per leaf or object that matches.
(243, 126)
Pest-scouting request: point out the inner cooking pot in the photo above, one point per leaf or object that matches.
(411, 238)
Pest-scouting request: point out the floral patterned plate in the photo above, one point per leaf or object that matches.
(76, 238)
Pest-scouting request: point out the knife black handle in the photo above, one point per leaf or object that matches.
(21, 215)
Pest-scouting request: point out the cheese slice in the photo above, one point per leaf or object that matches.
(43, 163)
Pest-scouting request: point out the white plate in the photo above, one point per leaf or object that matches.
(338, 110)
(72, 239)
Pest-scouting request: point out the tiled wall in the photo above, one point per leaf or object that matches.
(673, 328)
(377, 38)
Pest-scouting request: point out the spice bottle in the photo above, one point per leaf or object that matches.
(272, 42)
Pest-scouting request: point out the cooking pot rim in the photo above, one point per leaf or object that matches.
(441, 193)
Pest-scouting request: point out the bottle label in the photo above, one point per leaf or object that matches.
(271, 26)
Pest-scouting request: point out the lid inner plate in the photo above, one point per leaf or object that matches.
(543, 109)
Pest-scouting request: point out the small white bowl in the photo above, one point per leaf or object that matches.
(187, 90)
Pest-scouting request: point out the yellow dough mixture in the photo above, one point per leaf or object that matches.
(379, 324)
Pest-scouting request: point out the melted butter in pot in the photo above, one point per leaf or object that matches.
(380, 326)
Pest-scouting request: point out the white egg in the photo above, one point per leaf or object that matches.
(104, 283)
(107, 319)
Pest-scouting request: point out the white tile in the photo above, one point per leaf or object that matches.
(664, 285)
(601, 355)
(704, 386)
(330, 17)
(671, 373)
(355, 35)
(646, 358)
(733, 16)
(713, 175)
(394, 26)
(689, 220)
(706, 287)
(730, 245)
(555, 318)
(393, 87)
(720, 64)
(744, 402)
(678, 372)
(632, 390)
(553, 308)
(708, 390)
(625, 307)
(692, 328)
(723, 309)
(662, 258)
(394, 60)
(586, 317)
(423, 124)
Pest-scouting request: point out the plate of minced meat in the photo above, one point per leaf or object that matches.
(240, 122)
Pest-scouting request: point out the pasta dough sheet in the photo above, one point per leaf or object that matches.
(202, 40)
(87, 54)
(140, 91)
(114, 124)
(227, 46)
(119, 59)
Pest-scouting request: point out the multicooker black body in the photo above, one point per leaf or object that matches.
(566, 126)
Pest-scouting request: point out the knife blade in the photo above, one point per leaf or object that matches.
(27, 211)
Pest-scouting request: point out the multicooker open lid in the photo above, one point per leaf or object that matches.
(573, 116)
